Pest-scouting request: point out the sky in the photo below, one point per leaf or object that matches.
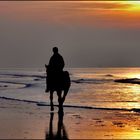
(87, 33)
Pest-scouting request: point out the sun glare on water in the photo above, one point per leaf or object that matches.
(133, 75)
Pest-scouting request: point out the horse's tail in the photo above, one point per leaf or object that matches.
(67, 83)
(67, 79)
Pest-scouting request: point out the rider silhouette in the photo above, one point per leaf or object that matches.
(55, 68)
(56, 62)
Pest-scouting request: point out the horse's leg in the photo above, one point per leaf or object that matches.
(51, 100)
(66, 85)
(59, 93)
(64, 95)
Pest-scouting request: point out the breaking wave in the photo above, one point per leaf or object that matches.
(128, 80)
(91, 81)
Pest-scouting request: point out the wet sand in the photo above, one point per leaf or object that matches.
(21, 120)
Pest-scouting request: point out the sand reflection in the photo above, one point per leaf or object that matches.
(61, 133)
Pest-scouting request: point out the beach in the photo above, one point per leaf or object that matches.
(96, 106)
(21, 120)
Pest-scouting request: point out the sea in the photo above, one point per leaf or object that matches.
(90, 87)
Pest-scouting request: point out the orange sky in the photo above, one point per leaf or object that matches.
(98, 14)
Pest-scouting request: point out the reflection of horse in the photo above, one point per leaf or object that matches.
(61, 133)
(57, 81)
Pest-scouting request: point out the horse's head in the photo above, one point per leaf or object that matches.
(46, 66)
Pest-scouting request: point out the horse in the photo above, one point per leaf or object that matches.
(59, 82)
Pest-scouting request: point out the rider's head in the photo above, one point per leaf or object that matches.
(55, 50)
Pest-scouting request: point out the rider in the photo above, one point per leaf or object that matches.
(56, 65)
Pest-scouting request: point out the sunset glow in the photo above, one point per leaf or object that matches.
(97, 13)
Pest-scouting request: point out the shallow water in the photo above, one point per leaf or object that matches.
(91, 87)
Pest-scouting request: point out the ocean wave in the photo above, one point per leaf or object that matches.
(109, 75)
(20, 100)
(40, 77)
(128, 80)
(22, 85)
(91, 81)
(23, 75)
(77, 81)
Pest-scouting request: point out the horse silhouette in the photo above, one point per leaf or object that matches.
(59, 82)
